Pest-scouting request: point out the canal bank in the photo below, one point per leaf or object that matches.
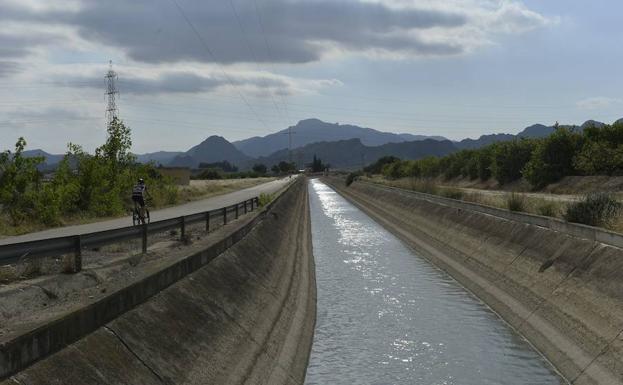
(246, 317)
(563, 293)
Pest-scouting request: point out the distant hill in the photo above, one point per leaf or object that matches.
(314, 130)
(352, 153)
(534, 131)
(159, 157)
(213, 149)
(50, 159)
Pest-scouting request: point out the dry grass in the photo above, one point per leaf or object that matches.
(201, 189)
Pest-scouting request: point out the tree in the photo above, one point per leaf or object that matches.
(553, 157)
(602, 151)
(260, 168)
(377, 167)
(275, 169)
(116, 150)
(19, 182)
(286, 167)
(317, 165)
(508, 159)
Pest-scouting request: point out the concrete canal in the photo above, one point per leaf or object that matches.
(387, 316)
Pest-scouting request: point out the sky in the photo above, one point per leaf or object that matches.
(188, 69)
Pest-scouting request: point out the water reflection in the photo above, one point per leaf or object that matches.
(386, 316)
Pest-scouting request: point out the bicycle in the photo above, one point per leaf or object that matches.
(138, 217)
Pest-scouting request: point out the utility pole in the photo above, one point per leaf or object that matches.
(289, 133)
(112, 93)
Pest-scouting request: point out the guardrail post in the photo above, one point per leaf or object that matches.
(237, 205)
(224, 215)
(144, 238)
(182, 228)
(77, 255)
(207, 222)
(245, 206)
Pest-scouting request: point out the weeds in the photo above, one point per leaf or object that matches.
(265, 199)
(597, 209)
(548, 209)
(515, 202)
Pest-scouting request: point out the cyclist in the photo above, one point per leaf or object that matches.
(139, 193)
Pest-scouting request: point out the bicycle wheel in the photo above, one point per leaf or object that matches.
(135, 218)
(146, 216)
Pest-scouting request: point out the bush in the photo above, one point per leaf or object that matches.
(265, 199)
(211, 173)
(351, 178)
(548, 209)
(515, 202)
(597, 209)
(376, 167)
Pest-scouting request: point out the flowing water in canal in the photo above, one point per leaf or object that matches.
(387, 316)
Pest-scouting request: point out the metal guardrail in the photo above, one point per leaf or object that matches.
(56, 246)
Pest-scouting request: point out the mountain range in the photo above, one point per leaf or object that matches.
(352, 153)
(314, 130)
(341, 145)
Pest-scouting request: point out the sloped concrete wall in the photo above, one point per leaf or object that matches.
(246, 318)
(563, 293)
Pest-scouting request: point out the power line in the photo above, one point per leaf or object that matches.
(252, 51)
(209, 51)
(268, 51)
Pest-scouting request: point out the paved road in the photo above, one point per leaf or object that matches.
(156, 215)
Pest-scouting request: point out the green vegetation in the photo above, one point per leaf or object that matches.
(594, 151)
(224, 166)
(598, 209)
(83, 185)
(548, 208)
(260, 168)
(215, 173)
(515, 202)
(265, 199)
(350, 178)
(283, 168)
(317, 165)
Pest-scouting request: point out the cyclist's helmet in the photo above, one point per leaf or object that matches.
(141, 181)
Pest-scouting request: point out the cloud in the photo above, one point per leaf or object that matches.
(600, 102)
(283, 31)
(150, 80)
(8, 68)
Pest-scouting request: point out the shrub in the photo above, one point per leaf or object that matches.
(548, 208)
(376, 167)
(597, 209)
(351, 178)
(210, 173)
(515, 202)
(265, 199)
